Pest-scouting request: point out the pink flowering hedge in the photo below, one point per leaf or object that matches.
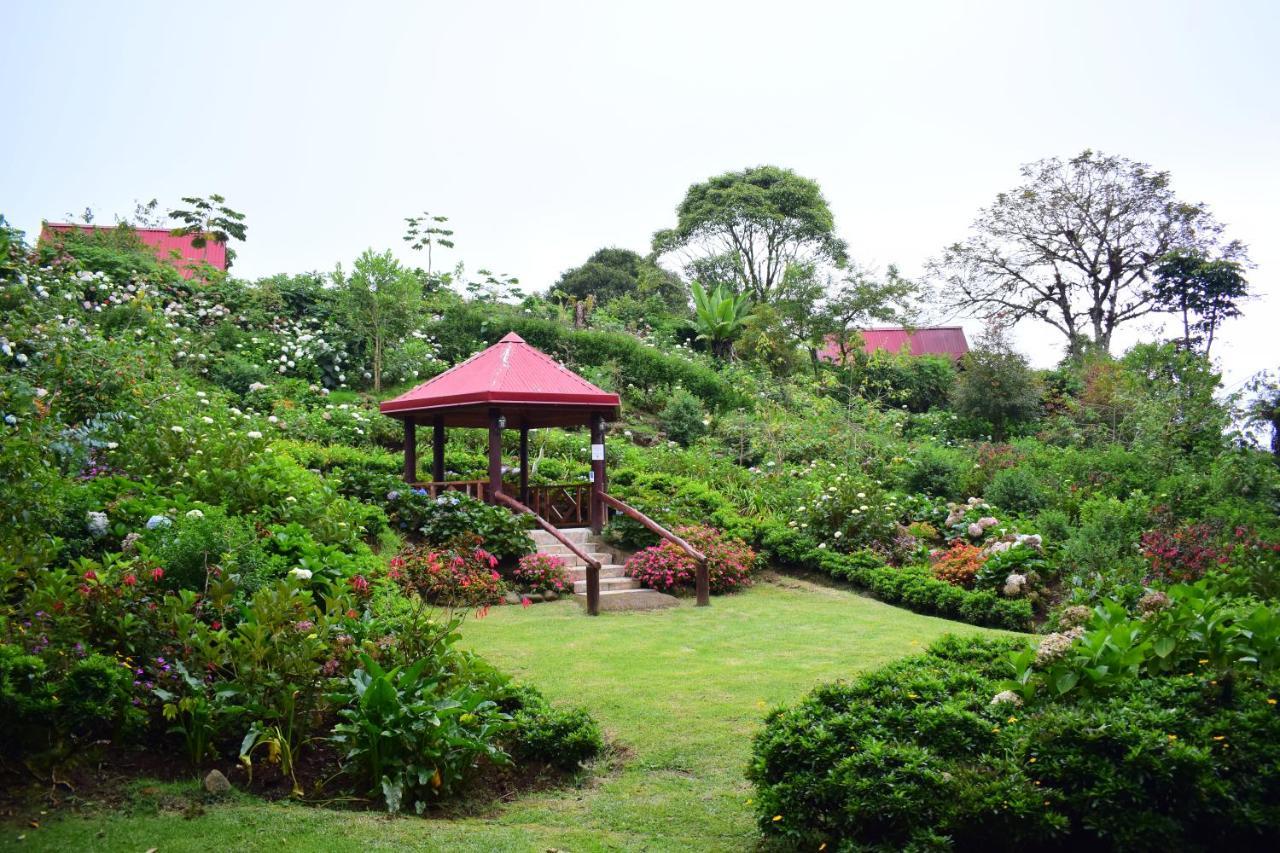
(666, 567)
(542, 573)
(452, 577)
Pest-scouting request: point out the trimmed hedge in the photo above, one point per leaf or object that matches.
(912, 587)
(915, 756)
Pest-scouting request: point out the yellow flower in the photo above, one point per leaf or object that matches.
(1172, 737)
(777, 818)
(1204, 660)
(1271, 701)
(1031, 760)
(1012, 720)
(1219, 737)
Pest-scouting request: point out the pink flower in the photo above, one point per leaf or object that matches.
(524, 602)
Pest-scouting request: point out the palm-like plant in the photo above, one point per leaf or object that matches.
(719, 316)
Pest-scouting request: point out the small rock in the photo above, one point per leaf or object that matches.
(216, 783)
(550, 595)
(534, 596)
(511, 598)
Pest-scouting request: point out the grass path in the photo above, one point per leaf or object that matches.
(682, 690)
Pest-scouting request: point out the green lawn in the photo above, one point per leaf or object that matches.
(681, 690)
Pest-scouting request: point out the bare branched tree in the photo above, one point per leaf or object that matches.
(1075, 246)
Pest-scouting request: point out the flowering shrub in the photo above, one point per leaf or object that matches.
(456, 577)
(542, 573)
(668, 568)
(959, 564)
(1184, 554)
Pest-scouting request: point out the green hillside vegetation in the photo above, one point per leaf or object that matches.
(209, 548)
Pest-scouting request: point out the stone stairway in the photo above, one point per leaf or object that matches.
(617, 591)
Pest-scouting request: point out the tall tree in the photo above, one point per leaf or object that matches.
(1075, 246)
(1204, 292)
(379, 302)
(210, 218)
(755, 222)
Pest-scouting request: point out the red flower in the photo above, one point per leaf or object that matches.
(524, 602)
(156, 574)
(130, 579)
(216, 625)
(360, 585)
(91, 575)
(351, 614)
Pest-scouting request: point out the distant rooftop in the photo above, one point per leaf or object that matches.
(175, 249)
(933, 340)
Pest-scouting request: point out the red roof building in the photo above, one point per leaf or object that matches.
(935, 340)
(177, 249)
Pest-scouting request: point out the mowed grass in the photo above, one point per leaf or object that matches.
(681, 692)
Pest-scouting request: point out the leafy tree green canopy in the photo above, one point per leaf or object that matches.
(379, 302)
(611, 273)
(753, 224)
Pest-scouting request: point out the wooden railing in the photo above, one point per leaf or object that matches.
(703, 578)
(593, 565)
(562, 504)
(474, 488)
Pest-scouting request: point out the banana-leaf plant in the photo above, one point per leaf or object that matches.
(719, 315)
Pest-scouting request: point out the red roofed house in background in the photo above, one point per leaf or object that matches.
(511, 384)
(935, 340)
(177, 249)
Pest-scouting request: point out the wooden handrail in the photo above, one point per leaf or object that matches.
(703, 580)
(593, 565)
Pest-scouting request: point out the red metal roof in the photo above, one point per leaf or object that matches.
(526, 384)
(176, 249)
(935, 340)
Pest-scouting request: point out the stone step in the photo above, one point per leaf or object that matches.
(608, 584)
(630, 599)
(575, 560)
(573, 534)
(608, 570)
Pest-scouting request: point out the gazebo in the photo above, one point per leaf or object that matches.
(512, 385)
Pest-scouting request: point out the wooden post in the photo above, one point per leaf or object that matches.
(524, 464)
(437, 449)
(495, 453)
(599, 485)
(410, 451)
(702, 583)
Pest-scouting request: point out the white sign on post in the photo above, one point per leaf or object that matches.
(597, 453)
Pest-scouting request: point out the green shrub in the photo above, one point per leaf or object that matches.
(191, 545)
(561, 737)
(682, 417)
(935, 471)
(1017, 490)
(917, 756)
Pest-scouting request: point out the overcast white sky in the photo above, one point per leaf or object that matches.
(547, 130)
